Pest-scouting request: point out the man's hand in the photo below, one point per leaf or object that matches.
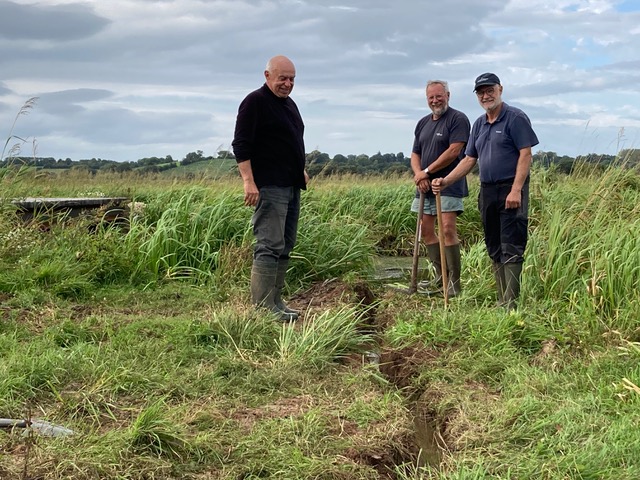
(251, 193)
(514, 199)
(424, 185)
(420, 177)
(438, 184)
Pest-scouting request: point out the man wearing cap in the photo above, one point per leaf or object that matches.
(500, 142)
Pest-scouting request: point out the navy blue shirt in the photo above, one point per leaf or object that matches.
(433, 137)
(497, 145)
(269, 132)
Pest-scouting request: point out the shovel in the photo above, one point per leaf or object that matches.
(413, 286)
(443, 257)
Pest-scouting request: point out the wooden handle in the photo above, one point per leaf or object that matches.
(416, 247)
(443, 257)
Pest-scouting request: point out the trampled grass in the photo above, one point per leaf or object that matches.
(140, 339)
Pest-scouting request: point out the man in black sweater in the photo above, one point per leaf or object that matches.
(269, 148)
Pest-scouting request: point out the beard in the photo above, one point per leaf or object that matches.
(439, 111)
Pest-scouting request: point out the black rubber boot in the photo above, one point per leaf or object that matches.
(263, 288)
(498, 274)
(452, 254)
(433, 287)
(281, 274)
(512, 273)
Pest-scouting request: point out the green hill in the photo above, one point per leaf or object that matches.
(206, 168)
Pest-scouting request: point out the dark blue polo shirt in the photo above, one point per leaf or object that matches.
(433, 137)
(497, 145)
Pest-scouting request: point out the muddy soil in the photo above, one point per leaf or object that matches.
(425, 443)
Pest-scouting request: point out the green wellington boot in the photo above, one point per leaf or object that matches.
(283, 266)
(498, 273)
(512, 273)
(263, 289)
(452, 254)
(433, 286)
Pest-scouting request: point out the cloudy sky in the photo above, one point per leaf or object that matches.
(127, 79)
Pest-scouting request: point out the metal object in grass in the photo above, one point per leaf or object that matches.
(41, 427)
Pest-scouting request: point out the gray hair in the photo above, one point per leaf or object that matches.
(275, 60)
(439, 82)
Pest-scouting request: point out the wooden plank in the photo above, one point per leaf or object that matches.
(31, 203)
(44, 208)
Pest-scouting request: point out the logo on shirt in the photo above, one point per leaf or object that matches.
(438, 134)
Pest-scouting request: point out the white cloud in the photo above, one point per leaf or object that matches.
(127, 79)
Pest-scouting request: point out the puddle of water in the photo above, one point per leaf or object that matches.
(425, 436)
(396, 268)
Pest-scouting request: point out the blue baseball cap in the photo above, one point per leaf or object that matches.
(486, 79)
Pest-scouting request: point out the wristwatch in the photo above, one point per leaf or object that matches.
(426, 170)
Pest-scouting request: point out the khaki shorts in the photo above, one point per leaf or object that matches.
(449, 204)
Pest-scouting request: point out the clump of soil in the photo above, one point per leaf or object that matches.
(335, 293)
(332, 293)
(283, 408)
(402, 366)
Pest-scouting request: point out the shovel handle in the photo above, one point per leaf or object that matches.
(416, 247)
(443, 257)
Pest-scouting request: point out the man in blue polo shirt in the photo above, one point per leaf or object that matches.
(500, 142)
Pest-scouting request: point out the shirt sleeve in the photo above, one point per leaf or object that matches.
(460, 129)
(522, 133)
(245, 131)
(417, 148)
(471, 150)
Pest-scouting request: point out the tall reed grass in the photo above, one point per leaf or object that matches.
(186, 239)
(585, 253)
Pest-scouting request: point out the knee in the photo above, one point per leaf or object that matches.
(450, 234)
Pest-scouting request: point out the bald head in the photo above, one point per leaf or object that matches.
(280, 74)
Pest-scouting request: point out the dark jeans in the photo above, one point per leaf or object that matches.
(505, 230)
(275, 223)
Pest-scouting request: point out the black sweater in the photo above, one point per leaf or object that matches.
(269, 132)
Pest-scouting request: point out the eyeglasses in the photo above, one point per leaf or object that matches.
(488, 91)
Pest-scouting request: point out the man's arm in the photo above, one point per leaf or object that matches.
(463, 168)
(447, 157)
(250, 189)
(420, 178)
(514, 199)
(444, 160)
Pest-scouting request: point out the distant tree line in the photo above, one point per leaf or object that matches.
(629, 158)
(143, 165)
(318, 163)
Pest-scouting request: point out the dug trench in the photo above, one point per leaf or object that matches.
(430, 438)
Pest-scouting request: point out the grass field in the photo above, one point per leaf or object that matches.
(139, 339)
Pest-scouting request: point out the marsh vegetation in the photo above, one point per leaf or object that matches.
(138, 338)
